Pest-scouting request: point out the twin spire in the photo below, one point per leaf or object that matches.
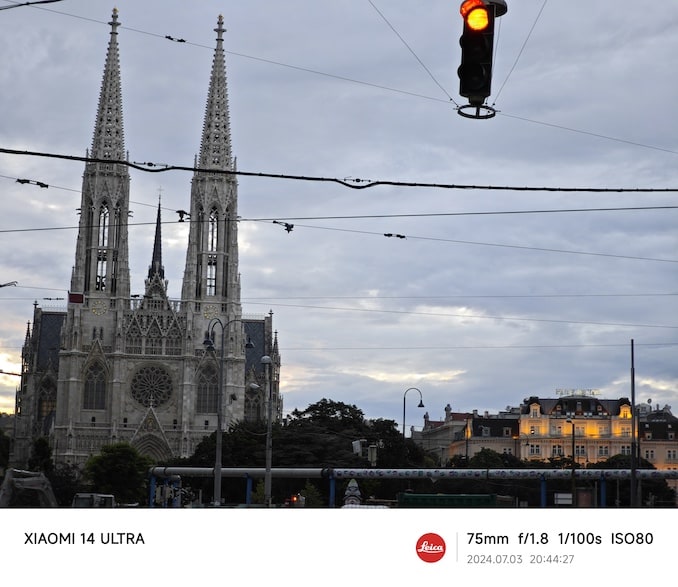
(215, 148)
(108, 140)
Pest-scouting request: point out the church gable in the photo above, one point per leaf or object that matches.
(154, 332)
(149, 438)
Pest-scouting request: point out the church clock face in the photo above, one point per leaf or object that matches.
(99, 307)
(210, 311)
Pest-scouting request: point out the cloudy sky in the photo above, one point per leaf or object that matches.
(495, 293)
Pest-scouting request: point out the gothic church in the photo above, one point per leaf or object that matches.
(118, 367)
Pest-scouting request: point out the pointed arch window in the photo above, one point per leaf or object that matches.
(95, 388)
(208, 387)
(212, 248)
(253, 405)
(133, 341)
(102, 247)
(46, 405)
(154, 341)
(173, 342)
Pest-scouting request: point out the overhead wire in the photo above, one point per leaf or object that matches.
(467, 316)
(361, 82)
(353, 183)
(409, 48)
(520, 52)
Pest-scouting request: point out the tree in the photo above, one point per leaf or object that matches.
(41, 456)
(4, 450)
(654, 492)
(119, 469)
(320, 436)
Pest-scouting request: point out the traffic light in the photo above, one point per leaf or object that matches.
(477, 43)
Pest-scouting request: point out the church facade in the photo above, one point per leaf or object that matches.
(119, 367)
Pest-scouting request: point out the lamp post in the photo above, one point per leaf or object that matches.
(574, 483)
(266, 361)
(421, 404)
(209, 345)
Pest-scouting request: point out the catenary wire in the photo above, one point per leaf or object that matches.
(360, 82)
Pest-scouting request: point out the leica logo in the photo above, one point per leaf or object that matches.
(426, 547)
(430, 548)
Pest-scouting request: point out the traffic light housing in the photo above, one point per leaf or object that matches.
(477, 44)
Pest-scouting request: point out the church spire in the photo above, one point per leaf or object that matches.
(101, 257)
(156, 261)
(215, 147)
(108, 141)
(156, 285)
(211, 272)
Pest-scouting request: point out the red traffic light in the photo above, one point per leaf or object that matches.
(475, 14)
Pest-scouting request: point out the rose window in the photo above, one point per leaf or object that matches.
(151, 386)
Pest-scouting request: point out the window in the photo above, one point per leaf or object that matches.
(535, 450)
(580, 450)
(557, 450)
(208, 383)
(252, 407)
(626, 449)
(626, 430)
(507, 451)
(485, 430)
(95, 388)
(672, 454)
(212, 248)
(603, 450)
(507, 431)
(649, 454)
(102, 245)
(151, 386)
(154, 341)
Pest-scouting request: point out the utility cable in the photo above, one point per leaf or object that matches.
(353, 183)
(409, 48)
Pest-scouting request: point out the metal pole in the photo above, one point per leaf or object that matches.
(220, 425)
(209, 343)
(574, 481)
(634, 465)
(266, 360)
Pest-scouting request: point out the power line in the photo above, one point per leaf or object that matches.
(471, 347)
(409, 48)
(364, 83)
(468, 296)
(499, 245)
(356, 183)
(19, 4)
(515, 63)
(471, 316)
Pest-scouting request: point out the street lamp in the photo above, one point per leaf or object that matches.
(209, 345)
(574, 483)
(266, 361)
(421, 404)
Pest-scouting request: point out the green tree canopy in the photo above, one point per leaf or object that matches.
(119, 469)
(321, 436)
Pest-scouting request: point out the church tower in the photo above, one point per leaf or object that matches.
(136, 368)
(101, 260)
(211, 277)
